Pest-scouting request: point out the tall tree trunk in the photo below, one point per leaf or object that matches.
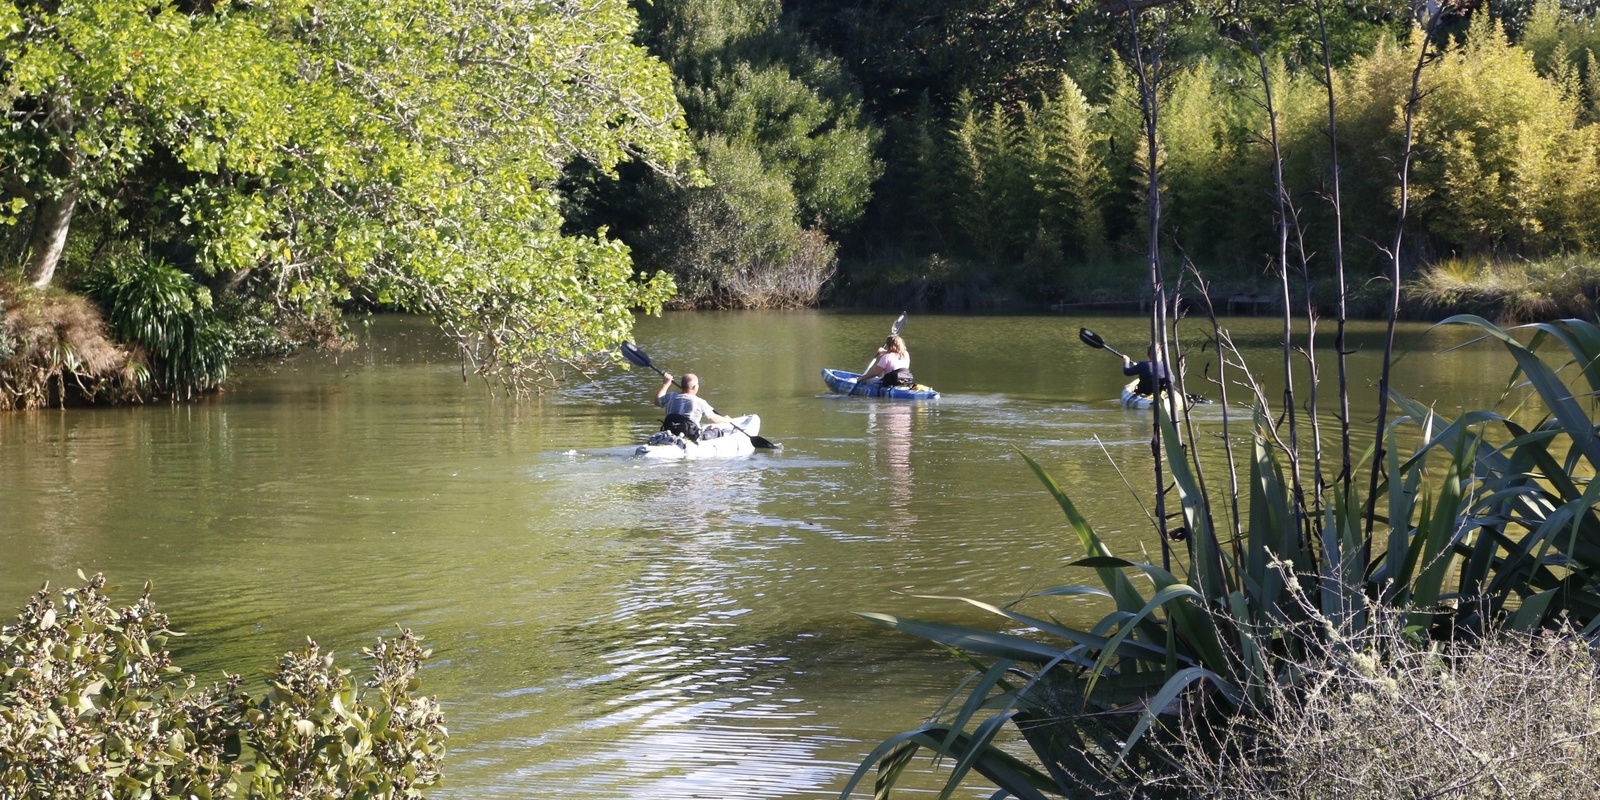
(55, 203)
(51, 220)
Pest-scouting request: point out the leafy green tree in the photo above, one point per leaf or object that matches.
(736, 243)
(1199, 148)
(1591, 88)
(1564, 43)
(993, 197)
(402, 153)
(765, 100)
(821, 145)
(97, 89)
(1550, 31)
(1128, 158)
(1370, 140)
(908, 200)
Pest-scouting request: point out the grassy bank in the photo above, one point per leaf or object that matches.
(1509, 291)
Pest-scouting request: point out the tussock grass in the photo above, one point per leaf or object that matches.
(54, 349)
(1510, 291)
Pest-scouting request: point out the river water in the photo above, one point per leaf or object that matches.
(605, 627)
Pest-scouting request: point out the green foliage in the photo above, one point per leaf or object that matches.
(765, 100)
(316, 733)
(1506, 159)
(991, 194)
(1485, 525)
(904, 201)
(1069, 170)
(416, 170)
(736, 243)
(1510, 167)
(1562, 41)
(1201, 144)
(820, 144)
(91, 705)
(160, 308)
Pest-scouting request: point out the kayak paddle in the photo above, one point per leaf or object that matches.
(638, 358)
(1093, 340)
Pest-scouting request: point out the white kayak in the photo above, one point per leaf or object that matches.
(1132, 399)
(727, 442)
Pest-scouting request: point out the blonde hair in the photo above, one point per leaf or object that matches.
(895, 344)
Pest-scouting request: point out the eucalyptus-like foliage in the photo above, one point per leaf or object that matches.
(760, 94)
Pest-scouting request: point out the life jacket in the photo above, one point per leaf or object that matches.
(898, 377)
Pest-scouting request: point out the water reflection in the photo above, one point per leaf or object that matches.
(889, 429)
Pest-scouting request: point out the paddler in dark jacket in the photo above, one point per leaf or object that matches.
(1151, 373)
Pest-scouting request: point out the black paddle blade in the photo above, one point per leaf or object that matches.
(1091, 338)
(761, 442)
(635, 356)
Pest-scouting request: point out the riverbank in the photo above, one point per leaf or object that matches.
(55, 350)
(1505, 291)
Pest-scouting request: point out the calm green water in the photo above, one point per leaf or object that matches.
(609, 628)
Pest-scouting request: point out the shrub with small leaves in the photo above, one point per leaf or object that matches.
(92, 706)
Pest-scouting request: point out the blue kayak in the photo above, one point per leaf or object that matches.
(845, 383)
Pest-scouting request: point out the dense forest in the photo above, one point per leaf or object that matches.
(985, 153)
(185, 183)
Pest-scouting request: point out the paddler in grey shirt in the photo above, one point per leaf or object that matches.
(686, 402)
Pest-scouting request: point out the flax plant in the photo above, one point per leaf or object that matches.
(1486, 524)
(1469, 526)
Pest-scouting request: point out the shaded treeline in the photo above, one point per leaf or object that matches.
(1008, 162)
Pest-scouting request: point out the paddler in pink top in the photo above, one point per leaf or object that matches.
(893, 367)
